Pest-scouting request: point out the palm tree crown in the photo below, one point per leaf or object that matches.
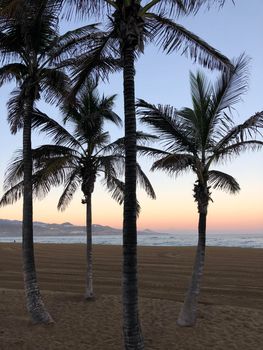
(135, 23)
(198, 137)
(77, 157)
(25, 47)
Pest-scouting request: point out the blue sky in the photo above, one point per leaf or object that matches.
(165, 79)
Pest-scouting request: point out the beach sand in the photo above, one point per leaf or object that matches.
(230, 309)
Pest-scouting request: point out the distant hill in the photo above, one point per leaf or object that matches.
(14, 228)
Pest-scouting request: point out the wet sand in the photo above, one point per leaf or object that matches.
(230, 309)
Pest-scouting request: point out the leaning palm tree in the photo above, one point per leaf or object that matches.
(131, 25)
(31, 51)
(198, 138)
(76, 159)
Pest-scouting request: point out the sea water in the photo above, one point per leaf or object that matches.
(163, 239)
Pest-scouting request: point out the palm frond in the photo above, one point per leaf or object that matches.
(231, 85)
(174, 164)
(201, 91)
(15, 107)
(88, 115)
(72, 183)
(240, 133)
(166, 122)
(195, 126)
(111, 164)
(118, 145)
(145, 182)
(49, 151)
(15, 171)
(44, 25)
(95, 108)
(223, 181)
(236, 149)
(46, 159)
(100, 60)
(114, 147)
(173, 7)
(116, 188)
(39, 28)
(12, 195)
(72, 43)
(11, 41)
(54, 85)
(51, 173)
(196, 120)
(142, 137)
(151, 152)
(105, 110)
(53, 129)
(185, 7)
(12, 71)
(96, 141)
(171, 36)
(83, 8)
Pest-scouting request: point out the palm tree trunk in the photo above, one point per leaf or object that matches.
(188, 313)
(133, 338)
(89, 273)
(35, 305)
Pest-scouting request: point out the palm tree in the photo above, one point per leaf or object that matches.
(131, 25)
(76, 159)
(32, 51)
(197, 138)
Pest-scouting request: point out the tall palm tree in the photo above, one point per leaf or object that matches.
(131, 25)
(31, 51)
(76, 159)
(197, 138)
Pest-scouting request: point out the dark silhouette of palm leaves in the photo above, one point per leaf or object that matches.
(102, 55)
(195, 138)
(66, 161)
(222, 181)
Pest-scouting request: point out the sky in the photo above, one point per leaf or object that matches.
(164, 79)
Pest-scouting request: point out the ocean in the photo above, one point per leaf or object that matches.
(165, 239)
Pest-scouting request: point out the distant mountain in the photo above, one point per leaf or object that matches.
(13, 228)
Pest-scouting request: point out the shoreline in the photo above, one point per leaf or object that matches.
(150, 239)
(138, 246)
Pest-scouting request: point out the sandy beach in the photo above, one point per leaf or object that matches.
(230, 310)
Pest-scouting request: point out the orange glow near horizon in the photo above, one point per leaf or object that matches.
(180, 213)
(181, 221)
